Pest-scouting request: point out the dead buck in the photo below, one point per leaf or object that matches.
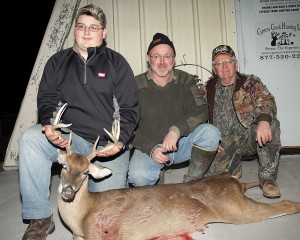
(154, 212)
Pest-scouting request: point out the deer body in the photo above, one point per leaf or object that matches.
(149, 212)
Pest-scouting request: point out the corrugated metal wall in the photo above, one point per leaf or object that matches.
(195, 27)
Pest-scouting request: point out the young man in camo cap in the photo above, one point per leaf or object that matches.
(98, 85)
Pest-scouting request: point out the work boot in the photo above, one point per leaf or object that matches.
(199, 163)
(270, 188)
(38, 229)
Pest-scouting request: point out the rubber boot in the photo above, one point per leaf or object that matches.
(199, 163)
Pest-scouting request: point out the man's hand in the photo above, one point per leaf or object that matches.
(220, 149)
(170, 142)
(54, 136)
(110, 152)
(158, 155)
(263, 133)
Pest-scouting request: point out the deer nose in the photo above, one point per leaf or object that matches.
(68, 194)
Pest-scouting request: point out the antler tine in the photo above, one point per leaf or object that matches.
(68, 147)
(116, 128)
(56, 123)
(59, 113)
(114, 135)
(93, 153)
(115, 132)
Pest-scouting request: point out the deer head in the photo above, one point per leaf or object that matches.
(75, 167)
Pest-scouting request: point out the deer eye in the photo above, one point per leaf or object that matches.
(86, 172)
(64, 166)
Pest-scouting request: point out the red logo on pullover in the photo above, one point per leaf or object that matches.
(101, 75)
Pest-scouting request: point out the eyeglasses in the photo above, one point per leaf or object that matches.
(166, 58)
(226, 62)
(92, 28)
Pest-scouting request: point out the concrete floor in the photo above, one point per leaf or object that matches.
(285, 227)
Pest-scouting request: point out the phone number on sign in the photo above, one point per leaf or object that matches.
(280, 56)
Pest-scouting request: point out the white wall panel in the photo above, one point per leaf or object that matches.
(126, 26)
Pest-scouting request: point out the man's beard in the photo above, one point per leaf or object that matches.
(161, 73)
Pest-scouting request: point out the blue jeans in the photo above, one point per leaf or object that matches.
(36, 155)
(143, 170)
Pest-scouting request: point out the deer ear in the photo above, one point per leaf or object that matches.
(98, 171)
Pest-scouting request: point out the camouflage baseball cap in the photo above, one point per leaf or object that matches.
(94, 11)
(222, 49)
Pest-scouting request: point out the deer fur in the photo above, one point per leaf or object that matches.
(151, 212)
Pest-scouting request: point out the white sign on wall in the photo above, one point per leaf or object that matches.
(278, 40)
(269, 47)
(265, 7)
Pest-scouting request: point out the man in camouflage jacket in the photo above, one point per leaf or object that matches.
(244, 110)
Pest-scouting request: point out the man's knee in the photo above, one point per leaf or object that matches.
(209, 136)
(141, 178)
(29, 134)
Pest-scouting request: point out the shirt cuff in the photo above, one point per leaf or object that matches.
(175, 129)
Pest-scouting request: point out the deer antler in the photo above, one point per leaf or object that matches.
(115, 131)
(56, 123)
(93, 153)
(114, 136)
(68, 146)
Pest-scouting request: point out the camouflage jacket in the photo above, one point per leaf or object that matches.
(252, 100)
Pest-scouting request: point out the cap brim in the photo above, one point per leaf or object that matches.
(227, 53)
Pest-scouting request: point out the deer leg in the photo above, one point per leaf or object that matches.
(75, 237)
(250, 211)
(272, 210)
(246, 186)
